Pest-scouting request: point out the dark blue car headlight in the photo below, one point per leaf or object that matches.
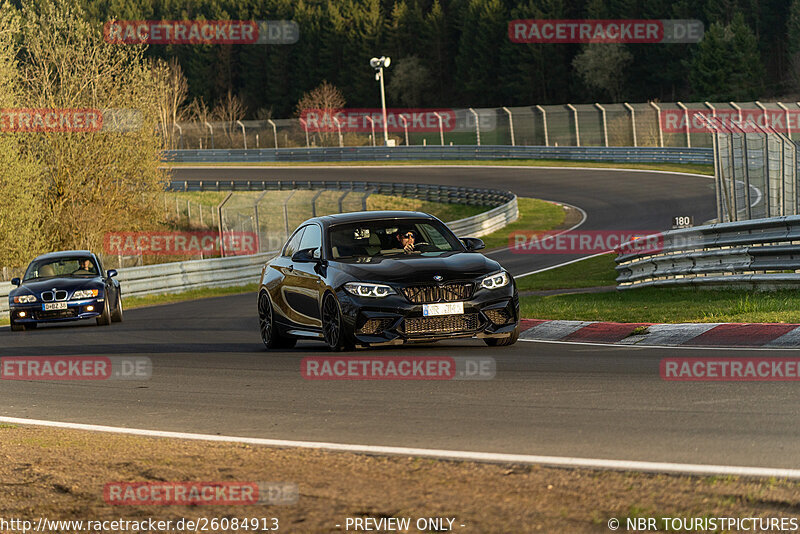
(24, 299)
(85, 293)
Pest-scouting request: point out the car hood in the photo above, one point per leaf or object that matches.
(419, 269)
(36, 287)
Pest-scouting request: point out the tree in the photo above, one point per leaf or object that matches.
(92, 182)
(601, 66)
(172, 88)
(411, 82)
(726, 65)
(324, 101)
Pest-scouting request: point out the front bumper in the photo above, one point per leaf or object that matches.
(395, 320)
(76, 310)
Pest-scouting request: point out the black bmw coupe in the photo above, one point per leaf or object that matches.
(382, 278)
(65, 286)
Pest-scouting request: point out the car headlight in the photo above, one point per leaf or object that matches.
(85, 293)
(496, 280)
(364, 289)
(24, 299)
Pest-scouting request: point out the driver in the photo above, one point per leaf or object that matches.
(406, 237)
(86, 267)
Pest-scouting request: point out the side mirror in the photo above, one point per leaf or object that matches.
(472, 243)
(305, 256)
(111, 273)
(16, 282)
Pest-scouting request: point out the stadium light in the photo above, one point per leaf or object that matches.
(379, 64)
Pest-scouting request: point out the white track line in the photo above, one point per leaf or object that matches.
(554, 461)
(640, 347)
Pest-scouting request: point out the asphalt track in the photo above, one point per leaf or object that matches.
(211, 375)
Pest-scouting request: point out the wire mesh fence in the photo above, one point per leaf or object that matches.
(667, 124)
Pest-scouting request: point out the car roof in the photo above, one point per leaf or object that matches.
(361, 216)
(65, 254)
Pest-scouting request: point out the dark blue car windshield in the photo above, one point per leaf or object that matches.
(61, 267)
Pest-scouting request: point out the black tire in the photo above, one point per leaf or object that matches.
(116, 315)
(503, 341)
(105, 317)
(266, 325)
(333, 327)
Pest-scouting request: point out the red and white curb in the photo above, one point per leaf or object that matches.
(777, 335)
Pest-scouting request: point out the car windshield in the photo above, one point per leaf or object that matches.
(390, 238)
(61, 267)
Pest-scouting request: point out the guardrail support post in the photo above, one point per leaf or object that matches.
(577, 126)
(544, 119)
(510, 124)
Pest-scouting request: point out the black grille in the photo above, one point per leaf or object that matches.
(500, 316)
(57, 314)
(448, 324)
(375, 326)
(440, 293)
(48, 296)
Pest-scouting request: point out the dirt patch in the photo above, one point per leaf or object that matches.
(60, 474)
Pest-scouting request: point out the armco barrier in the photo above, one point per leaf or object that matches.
(243, 270)
(456, 152)
(759, 253)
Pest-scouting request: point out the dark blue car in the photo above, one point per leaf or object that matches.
(65, 286)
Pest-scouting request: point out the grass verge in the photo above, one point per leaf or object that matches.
(486, 498)
(660, 305)
(534, 214)
(597, 271)
(675, 167)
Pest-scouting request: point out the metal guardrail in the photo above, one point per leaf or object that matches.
(456, 152)
(758, 253)
(435, 193)
(243, 270)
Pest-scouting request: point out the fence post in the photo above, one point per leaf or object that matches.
(244, 134)
(286, 213)
(405, 126)
(686, 117)
(605, 124)
(477, 125)
(339, 128)
(372, 126)
(660, 129)
(314, 202)
(510, 124)
(212, 133)
(786, 111)
(441, 130)
(577, 126)
(544, 119)
(274, 132)
(219, 218)
(633, 122)
(305, 127)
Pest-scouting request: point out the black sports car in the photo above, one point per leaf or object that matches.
(65, 286)
(384, 277)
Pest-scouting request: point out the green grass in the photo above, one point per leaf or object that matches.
(674, 167)
(597, 271)
(534, 214)
(660, 305)
(169, 298)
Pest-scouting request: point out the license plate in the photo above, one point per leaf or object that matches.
(48, 306)
(446, 308)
